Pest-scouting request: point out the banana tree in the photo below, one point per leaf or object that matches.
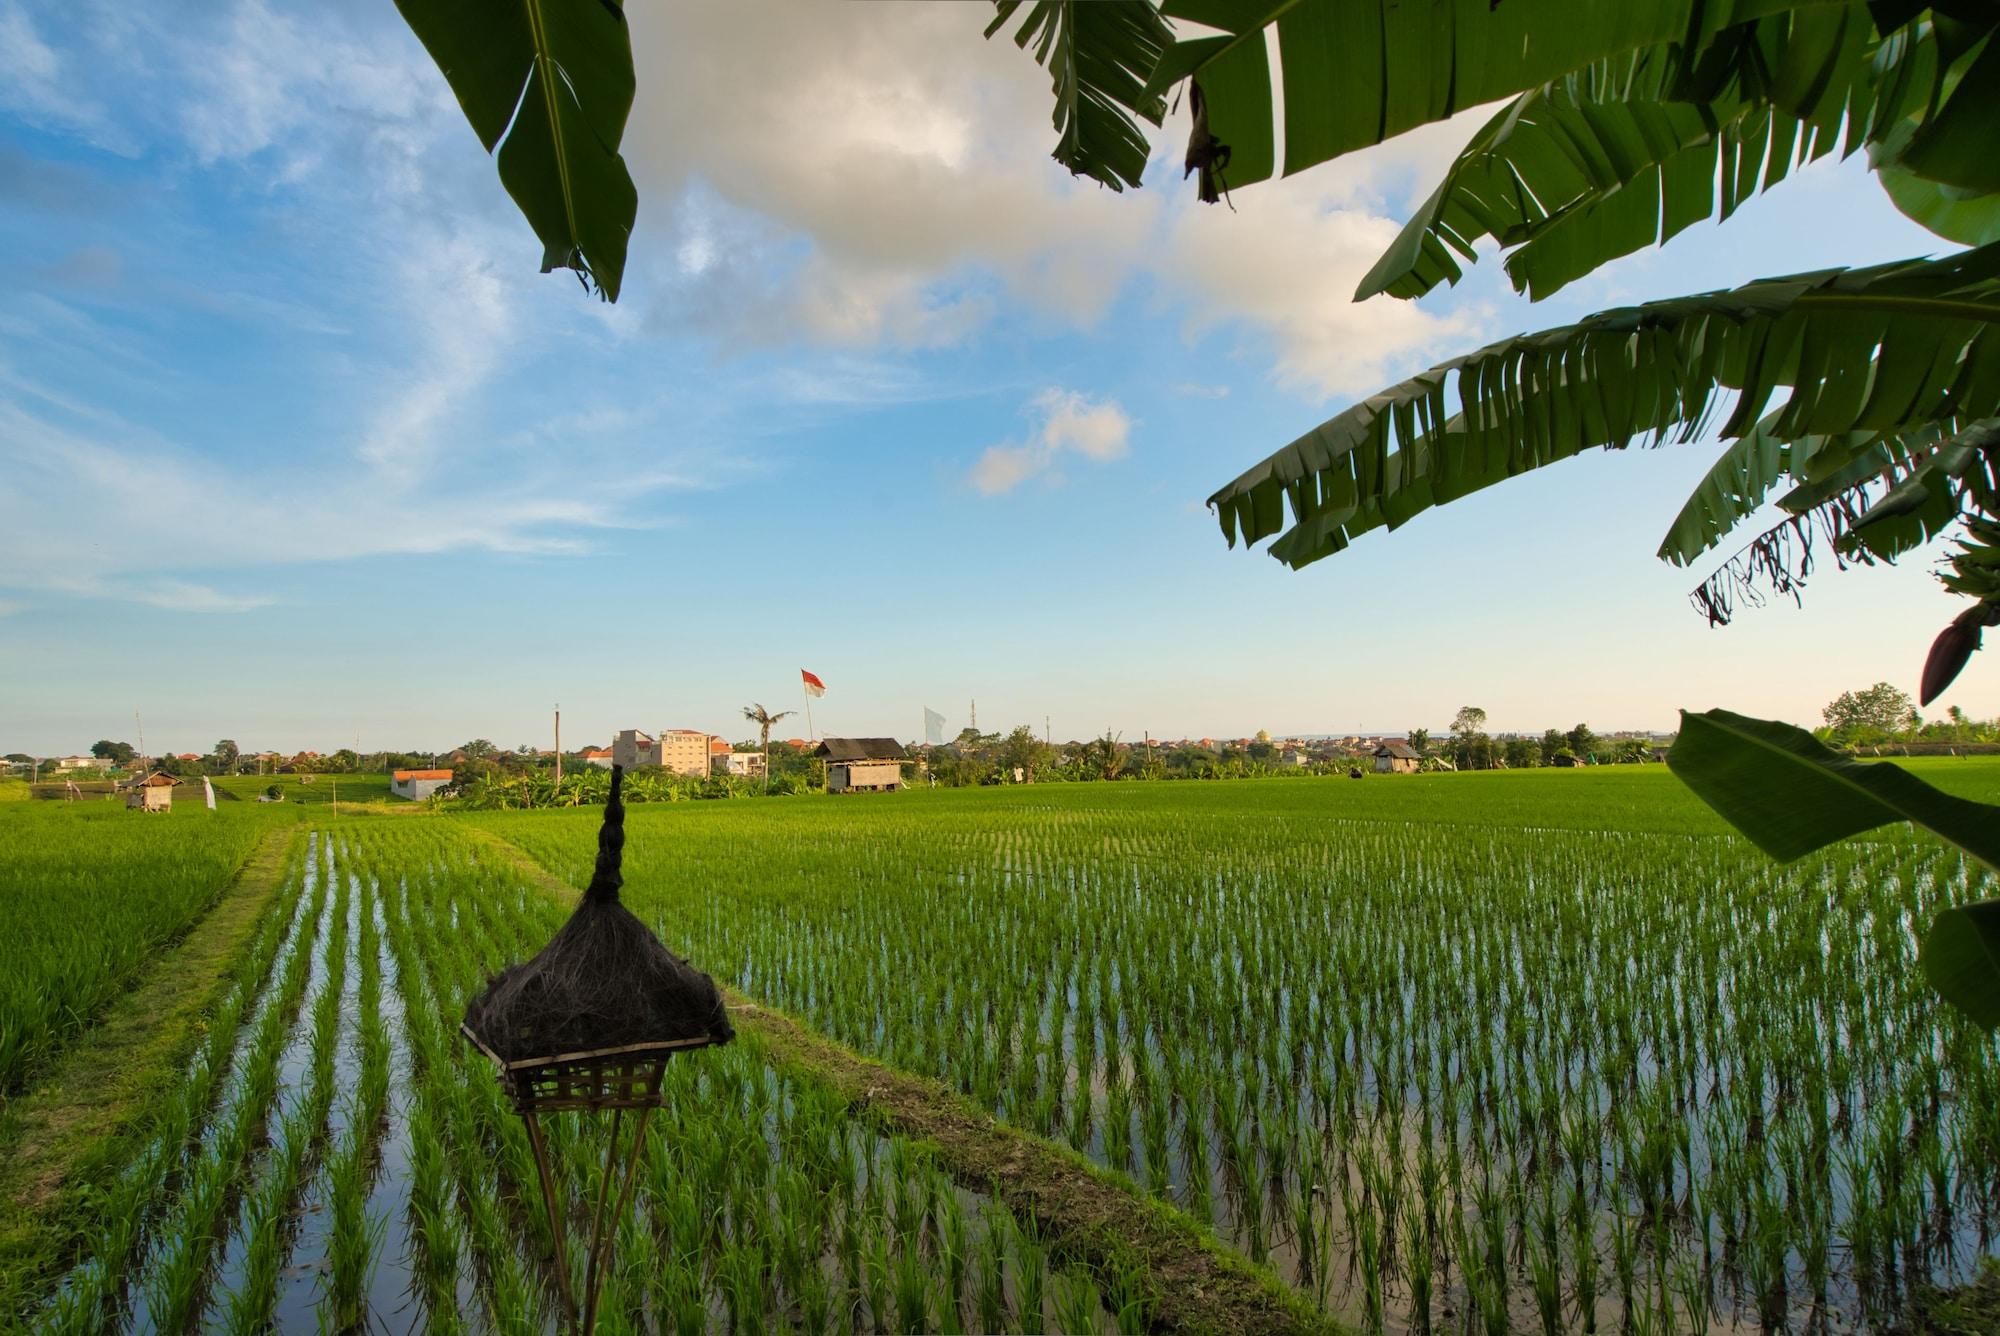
(1871, 396)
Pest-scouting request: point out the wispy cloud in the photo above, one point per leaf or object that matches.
(41, 90)
(1066, 422)
(80, 490)
(169, 594)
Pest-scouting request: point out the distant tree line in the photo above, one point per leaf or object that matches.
(1468, 746)
(1884, 715)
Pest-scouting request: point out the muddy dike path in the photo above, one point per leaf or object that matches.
(1088, 1214)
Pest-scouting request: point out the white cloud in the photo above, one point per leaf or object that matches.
(882, 180)
(40, 90)
(1066, 421)
(881, 177)
(1289, 272)
(461, 325)
(1001, 468)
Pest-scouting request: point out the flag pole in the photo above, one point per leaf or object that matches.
(807, 697)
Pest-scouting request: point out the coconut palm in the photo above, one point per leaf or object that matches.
(763, 718)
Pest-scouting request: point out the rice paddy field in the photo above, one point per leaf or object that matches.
(1470, 1053)
(91, 892)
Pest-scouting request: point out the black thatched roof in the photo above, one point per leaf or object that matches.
(861, 749)
(603, 981)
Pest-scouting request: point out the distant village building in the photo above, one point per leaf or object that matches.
(79, 763)
(873, 765)
(154, 793)
(1397, 758)
(633, 748)
(741, 764)
(417, 785)
(684, 751)
(597, 756)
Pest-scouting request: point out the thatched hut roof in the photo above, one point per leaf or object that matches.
(603, 981)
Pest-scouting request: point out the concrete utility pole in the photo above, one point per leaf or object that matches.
(558, 746)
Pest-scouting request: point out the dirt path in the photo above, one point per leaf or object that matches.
(67, 1127)
(1199, 1284)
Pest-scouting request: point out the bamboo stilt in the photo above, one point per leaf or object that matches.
(555, 1214)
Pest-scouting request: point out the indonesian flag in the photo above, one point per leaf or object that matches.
(814, 687)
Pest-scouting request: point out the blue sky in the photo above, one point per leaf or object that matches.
(297, 448)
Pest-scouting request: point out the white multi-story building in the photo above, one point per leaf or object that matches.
(746, 764)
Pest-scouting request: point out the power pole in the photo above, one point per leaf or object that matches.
(558, 747)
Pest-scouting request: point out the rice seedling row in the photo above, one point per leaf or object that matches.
(346, 1161)
(1457, 1076)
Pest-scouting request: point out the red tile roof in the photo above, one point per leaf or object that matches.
(401, 775)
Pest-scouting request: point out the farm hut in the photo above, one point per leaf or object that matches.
(862, 765)
(154, 793)
(1397, 758)
(418, 784)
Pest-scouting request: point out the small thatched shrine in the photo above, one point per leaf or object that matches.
(589, 1023)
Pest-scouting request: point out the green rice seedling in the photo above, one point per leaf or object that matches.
(1624, 1258)
(990, 1289)
(1118, 1124)
(1031, 1277)
(1545, 1276)
(1368, 1241)
(1697, 1302)
(1079, 1307)
(1583, 1255)
(1419, 1267)
(911, 1280)
(741, 1275)
(355, 1239)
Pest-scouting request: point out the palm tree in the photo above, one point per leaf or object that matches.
(763, 718)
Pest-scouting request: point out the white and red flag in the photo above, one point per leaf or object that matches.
(814, 687)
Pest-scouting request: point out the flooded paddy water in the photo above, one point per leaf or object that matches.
(1438, 1076)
